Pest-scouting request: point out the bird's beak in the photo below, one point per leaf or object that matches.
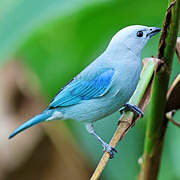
(153, 31)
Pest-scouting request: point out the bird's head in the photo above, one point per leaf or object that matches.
(133, 37)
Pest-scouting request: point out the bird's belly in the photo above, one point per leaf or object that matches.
(92, 110)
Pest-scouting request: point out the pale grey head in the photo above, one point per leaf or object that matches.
(133, 38)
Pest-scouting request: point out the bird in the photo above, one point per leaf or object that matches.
(103, 87)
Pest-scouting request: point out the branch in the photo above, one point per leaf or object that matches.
(140, 96)
(157, 123)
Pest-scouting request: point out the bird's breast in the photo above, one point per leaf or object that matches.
(125, 80)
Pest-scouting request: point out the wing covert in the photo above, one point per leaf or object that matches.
(82, 89)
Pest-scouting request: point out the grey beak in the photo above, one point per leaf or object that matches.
(153, 31)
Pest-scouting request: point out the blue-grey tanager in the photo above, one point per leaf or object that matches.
(103, 87)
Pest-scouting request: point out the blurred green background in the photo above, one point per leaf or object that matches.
(57, 39)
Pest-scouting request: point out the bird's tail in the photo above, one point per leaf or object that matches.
(35, 120)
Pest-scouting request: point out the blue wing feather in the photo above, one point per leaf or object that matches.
(81, 89)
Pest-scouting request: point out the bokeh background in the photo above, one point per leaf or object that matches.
(44, 44)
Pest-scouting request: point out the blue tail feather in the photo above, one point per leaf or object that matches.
(35, 120)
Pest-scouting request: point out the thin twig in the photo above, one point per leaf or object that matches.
(170, 115)
(127, 119)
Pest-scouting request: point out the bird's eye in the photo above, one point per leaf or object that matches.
(139, 34)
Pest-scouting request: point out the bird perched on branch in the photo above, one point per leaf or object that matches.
(103, 87)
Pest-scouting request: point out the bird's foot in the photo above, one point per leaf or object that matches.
(131, 107)
(110, 150)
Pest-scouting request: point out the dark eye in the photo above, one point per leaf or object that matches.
(139, 34)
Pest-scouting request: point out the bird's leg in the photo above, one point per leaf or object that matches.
(107, 147)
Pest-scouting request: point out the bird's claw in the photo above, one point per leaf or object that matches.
(131, 107)
(110, 150)
(122, 109)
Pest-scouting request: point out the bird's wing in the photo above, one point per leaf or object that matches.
(84, 89)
